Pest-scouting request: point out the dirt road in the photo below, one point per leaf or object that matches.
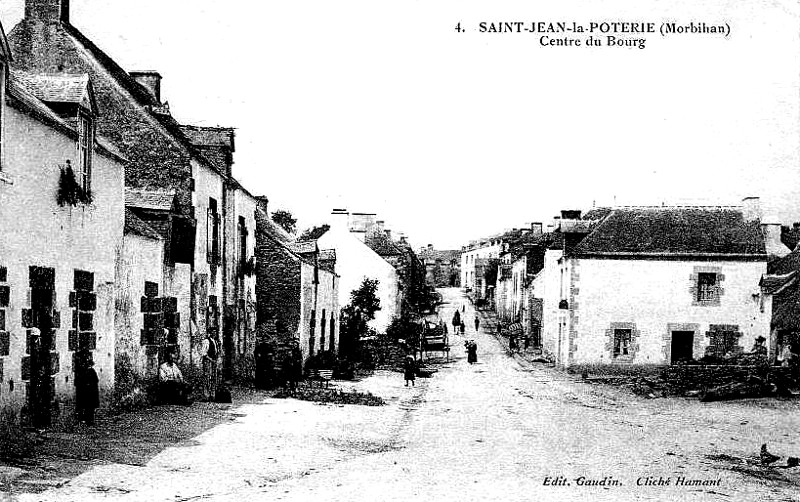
(501, 429)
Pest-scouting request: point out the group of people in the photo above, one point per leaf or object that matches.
(459, 326)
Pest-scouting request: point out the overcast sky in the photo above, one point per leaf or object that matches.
(381, 106)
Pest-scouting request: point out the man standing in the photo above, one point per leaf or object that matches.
(477, 323)
(210, 352)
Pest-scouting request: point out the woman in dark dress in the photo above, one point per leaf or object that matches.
(472, 352)
(409, 370)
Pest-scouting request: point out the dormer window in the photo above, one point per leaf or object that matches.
(83, 170)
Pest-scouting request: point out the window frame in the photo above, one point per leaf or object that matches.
(707, 291)
(85, 144)
(212, 232)
(622, 346)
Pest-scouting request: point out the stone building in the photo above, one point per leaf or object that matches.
(204, 230)
(442, 267)
(297, 291)
(62, 215)
(658, 285)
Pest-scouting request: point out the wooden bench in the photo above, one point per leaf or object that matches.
(321, 376)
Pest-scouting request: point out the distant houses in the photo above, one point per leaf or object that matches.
(645, 285)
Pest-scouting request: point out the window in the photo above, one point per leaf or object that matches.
(242, 241)
(707, 287)
(212, 233)
(724, 342)
(332, 345)
(322, 331)
(622, 342)
(312, 326)
(83, 173)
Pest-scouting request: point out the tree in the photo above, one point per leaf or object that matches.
(365, 299)
(364, 303)
(285, 220)
(314, 233)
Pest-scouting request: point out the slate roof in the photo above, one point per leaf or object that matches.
(18, 91)
(210, 136)
(674, 231)
(149, 199)
(786, 307)
(57, 88)
(597, 213)
(135, 225)
(276, 232)
(382, 245)
(788, 264)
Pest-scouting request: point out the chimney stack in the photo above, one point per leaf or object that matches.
(751, 209)
(263, 203)
(47, 11)
(150, 80)
(340, 220)
(771, 228)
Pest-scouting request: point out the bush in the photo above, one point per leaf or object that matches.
(334, 396)
(14, 441)
(131, 392)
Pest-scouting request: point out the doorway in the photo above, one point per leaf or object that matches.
(682, 346)
(40, 345)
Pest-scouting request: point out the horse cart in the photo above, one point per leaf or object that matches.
(434, 339)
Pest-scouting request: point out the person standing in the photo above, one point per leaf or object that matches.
(456, 322)
(87, 395)
(264, 361)
(463, 327)
(409, 370)
(472, 352)
(477, 323)
(210, 352)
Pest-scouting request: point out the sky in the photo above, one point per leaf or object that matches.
(384, 107)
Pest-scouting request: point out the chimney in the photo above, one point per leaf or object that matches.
(751, 209)
(388, 234)
(557, 222)
(263, 203)
(150, 80)
(47, 11)
(340, 220)
(536, 228)
(772, 238)
(377, 229)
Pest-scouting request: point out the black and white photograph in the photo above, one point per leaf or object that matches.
(384, 250)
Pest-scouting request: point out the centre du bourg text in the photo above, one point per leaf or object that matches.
(628, 34)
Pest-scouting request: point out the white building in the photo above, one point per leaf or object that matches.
(355, 261)
(658, 285)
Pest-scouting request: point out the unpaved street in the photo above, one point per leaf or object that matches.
(502, 429)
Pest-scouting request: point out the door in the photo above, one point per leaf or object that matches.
(682, 346)
(41, 385)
